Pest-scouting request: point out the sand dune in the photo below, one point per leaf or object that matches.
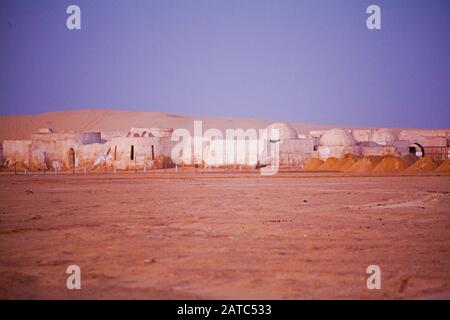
(21, 127)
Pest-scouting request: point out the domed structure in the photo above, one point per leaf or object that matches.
(286, 131)
(337, 137)
(384, 137)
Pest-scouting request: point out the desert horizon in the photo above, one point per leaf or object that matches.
(86, 119)
(22, 126)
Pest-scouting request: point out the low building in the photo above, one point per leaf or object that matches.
(151, 148)
(48, 150)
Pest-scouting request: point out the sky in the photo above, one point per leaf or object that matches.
(309, 61)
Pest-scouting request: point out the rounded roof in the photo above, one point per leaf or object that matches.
(285, 131)
(337, 137)
(384, 136)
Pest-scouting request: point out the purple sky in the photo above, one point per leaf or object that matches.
(308, 61)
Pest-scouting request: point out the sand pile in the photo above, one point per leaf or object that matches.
(365, 164)
(444, 167)
(350, 161)
(329, 164)
(423, 164)
(390, 163)
(339, 164)
(410, 159)
(313, 164)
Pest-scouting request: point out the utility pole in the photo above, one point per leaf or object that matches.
(45, 164)
(73, 162)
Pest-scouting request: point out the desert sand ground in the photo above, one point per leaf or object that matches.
(296, 235)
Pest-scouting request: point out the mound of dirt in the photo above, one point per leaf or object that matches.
(410, 159)
(423, 164)
(313, 164)
(329, 164)
(339, 164)
(350, 161)
(390, 164)
(365, 164)
(444, 167)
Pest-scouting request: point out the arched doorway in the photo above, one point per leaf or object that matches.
(417, 150)
(72, 159)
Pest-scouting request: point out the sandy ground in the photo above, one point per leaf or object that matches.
(224, 235)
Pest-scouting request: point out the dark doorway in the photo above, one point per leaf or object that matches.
(417, 150)
(132, 153)
(115, 153)
(153, 152)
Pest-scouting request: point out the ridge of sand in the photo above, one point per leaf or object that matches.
(22, 126)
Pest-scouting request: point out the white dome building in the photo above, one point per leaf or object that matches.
(384, 137)
(286, 131)
(337, 137)
(337, 143)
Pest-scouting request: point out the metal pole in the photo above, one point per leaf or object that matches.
(45, 164)
(73, 162)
